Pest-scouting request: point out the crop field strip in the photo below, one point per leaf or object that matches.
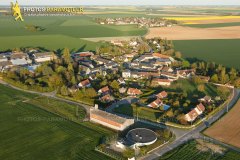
(190, 152)
(44, 135)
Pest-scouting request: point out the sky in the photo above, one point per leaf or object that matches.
(123, 2)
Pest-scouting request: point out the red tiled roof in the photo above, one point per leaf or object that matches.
(85, 82)
(106, 97)
(104, 89)
(161, 80)
(84, 54)
(193, 114)
(162, 94)
(149, 73)
(134, 91)
(159, 55)
(201, 107)
(156, 103)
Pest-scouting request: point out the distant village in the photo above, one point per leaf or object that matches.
(139, 21)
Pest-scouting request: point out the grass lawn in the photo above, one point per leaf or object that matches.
(190, 152)
(185, 85)
(59, 32)
(141, 112)
(29, 132)
(224, 52)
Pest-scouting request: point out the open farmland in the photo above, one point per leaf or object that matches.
(193, 150)
(28, 132)
(227, 129)
(59, 32)
(224, 52)
(189, 33)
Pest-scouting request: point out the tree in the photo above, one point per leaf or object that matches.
(233, 74)
(115, 85)
(197, 80)
(185, 64)
(166, 133)
(64, 91)
(103, 83)
(214, 78)
(237, 83)
(176, 104)
(178, 54)
(170, 113)
(201, 88)
(223, 92)
(55, 80)
(66, 56)
(91, 93)
(129, 153)
(223, 75)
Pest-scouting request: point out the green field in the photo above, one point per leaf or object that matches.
(214, 25)
(225, 51)
(28, 132)
(190, 152)
(59, 32)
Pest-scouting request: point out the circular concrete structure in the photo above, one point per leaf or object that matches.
(141, 136)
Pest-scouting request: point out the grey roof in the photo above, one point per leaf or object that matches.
(19, 61)
(44, 54)
(141, 135)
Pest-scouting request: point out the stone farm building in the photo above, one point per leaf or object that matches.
(109, 120)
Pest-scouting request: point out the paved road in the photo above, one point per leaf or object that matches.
(194, 133)
(51, 95)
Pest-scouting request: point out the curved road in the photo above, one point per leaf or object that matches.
(50, 95)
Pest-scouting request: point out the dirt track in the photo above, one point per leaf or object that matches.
(188, 33)
(227, 129)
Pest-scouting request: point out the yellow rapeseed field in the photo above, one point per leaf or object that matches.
(203, 18)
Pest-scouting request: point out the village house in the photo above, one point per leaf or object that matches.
(121, 81)
(193, 114)
(134, 91)
(187, 73)
(3, 57)
(101, 61)
(167, 69)
(204, 78)
(83, 54)
(44, 57)
(106, 98)
(111, 65)
(126, 74)
(155, 104)
(84, 84)
(162, 94)
(170, 76)
(109, 120)
(122, 90)
(5, 65)
(206, 99)
(19, 58)
(84, 70)
(105, 90)
(117, 43)
(161, 82)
